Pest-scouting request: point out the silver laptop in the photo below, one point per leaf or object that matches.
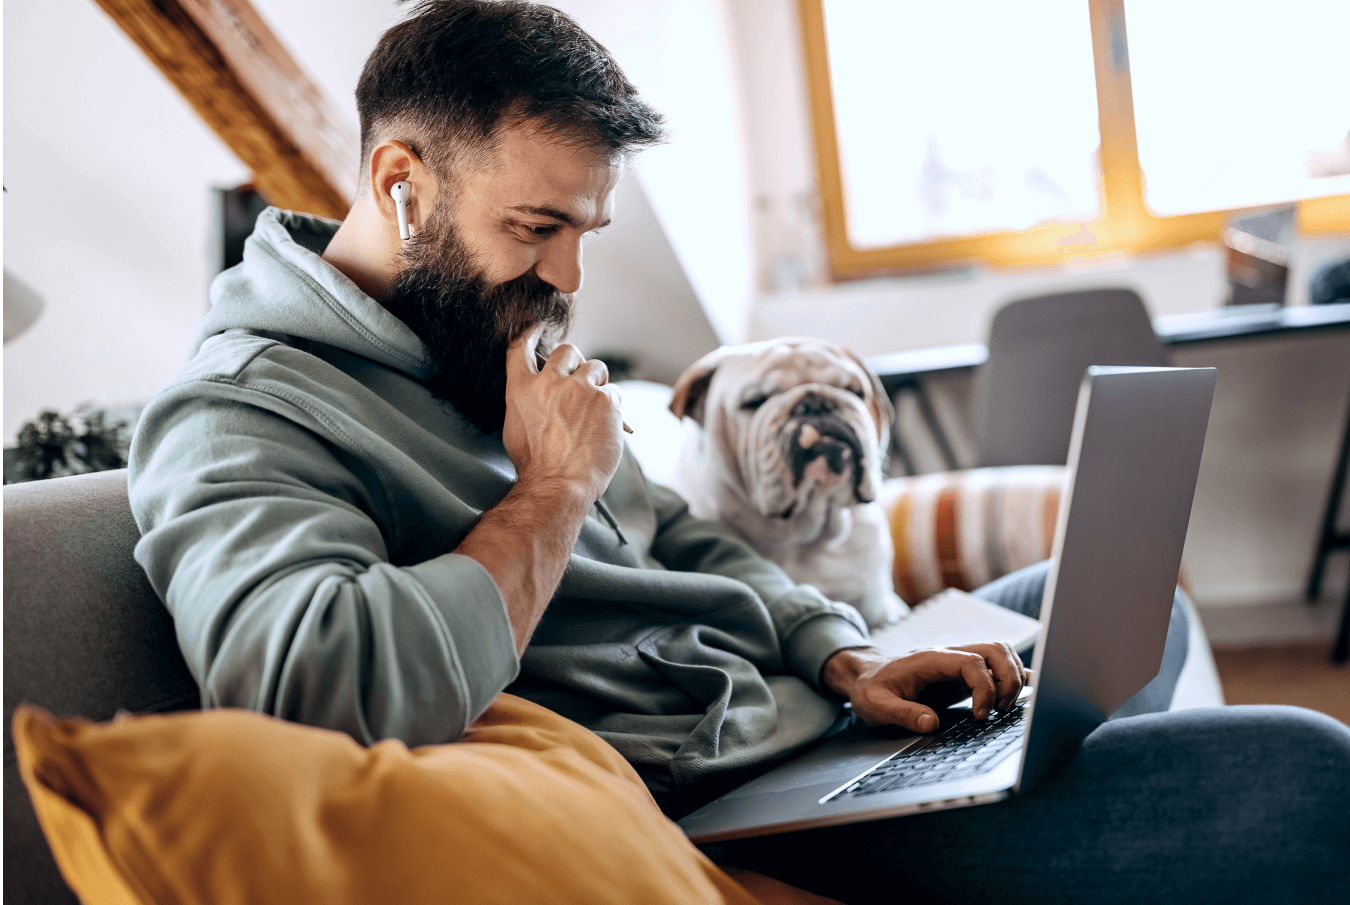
(1137, 438)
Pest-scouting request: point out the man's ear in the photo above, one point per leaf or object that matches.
(691, 389)
(390, 163)
(883, 411)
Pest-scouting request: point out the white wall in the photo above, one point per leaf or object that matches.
(679, 55)
(331, 39)
(107, 172)
(893, 314)
(637, 297)
(1274, 432)
(788, 249)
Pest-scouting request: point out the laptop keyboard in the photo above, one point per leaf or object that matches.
(963, 749)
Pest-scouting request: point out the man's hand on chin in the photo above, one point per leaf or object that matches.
(562, 432)
(884, 690)
(562, 417)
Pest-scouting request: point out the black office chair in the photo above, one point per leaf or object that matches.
(1039, 349)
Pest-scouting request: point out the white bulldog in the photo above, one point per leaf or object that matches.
(788, 458)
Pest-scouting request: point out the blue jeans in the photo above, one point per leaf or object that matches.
(1234, 804)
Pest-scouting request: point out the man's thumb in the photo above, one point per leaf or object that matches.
(914, 717)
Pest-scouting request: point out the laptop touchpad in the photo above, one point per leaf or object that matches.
(835, 762)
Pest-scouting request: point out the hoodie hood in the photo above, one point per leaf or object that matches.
(284, 287)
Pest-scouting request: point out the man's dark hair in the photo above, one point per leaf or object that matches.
(448, 77)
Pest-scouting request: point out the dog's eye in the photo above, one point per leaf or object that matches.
(754, 402)
(857, 391)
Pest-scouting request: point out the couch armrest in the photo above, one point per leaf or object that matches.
(85, 635)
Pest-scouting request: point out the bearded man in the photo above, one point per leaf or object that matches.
(381, 493)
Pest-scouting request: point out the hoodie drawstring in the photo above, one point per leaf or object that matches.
(609, 520)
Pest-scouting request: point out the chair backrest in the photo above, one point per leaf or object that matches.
(1039, 349)
(85, 635)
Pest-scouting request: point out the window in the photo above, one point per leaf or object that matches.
(1257, 112)
(1006, 132)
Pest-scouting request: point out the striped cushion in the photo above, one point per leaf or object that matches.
(961, 529)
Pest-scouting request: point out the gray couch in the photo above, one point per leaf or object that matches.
(84, 635)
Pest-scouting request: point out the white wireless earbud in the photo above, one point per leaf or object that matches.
(401, 192)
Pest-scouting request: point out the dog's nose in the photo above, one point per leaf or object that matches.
(811, 404)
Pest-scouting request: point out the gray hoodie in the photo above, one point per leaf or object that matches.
(297, 486)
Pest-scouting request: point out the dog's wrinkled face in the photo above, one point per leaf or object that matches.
(799, 424)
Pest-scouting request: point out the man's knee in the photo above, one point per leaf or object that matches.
(1266, 740)
(1020, 591)
(1316, 744)
(1287, 768)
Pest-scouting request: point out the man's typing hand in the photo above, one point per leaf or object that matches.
(884, 690)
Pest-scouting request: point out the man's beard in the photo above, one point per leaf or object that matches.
(467, 325)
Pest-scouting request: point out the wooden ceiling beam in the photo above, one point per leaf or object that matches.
(236, 74)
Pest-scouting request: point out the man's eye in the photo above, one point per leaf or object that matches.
(754, 402)
(542, 232)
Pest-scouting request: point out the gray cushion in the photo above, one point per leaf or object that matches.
(85, 635)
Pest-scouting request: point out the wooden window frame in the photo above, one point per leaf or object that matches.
(1126, 225)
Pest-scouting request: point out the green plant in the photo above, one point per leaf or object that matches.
(55, 445)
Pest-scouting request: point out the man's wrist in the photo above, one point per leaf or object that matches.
(843, 668)
(561, 493)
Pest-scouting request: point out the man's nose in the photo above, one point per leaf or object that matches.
(560, 266)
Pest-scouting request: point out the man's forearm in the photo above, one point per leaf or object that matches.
(524, 542)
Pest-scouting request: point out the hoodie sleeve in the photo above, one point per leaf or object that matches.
(260, 540)
(810, 627)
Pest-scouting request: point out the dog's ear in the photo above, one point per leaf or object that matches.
(691, 389)
(883, 412)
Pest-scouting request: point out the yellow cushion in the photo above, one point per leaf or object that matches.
(962, 529)
(229, 806)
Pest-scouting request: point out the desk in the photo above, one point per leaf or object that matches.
(1224, 325)
(1260, 321)
(907, 370)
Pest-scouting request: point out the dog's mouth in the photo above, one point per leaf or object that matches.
(827, 437)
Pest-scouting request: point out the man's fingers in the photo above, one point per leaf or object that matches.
(594, 371)
(946, 664)
(885, 691)
(520, 355)
(566, 358)
(975, 673)
(1006, 667)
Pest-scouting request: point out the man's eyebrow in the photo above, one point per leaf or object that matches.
(544, 210)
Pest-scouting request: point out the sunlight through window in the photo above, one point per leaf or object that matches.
(961, 118)
(1239, 104)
